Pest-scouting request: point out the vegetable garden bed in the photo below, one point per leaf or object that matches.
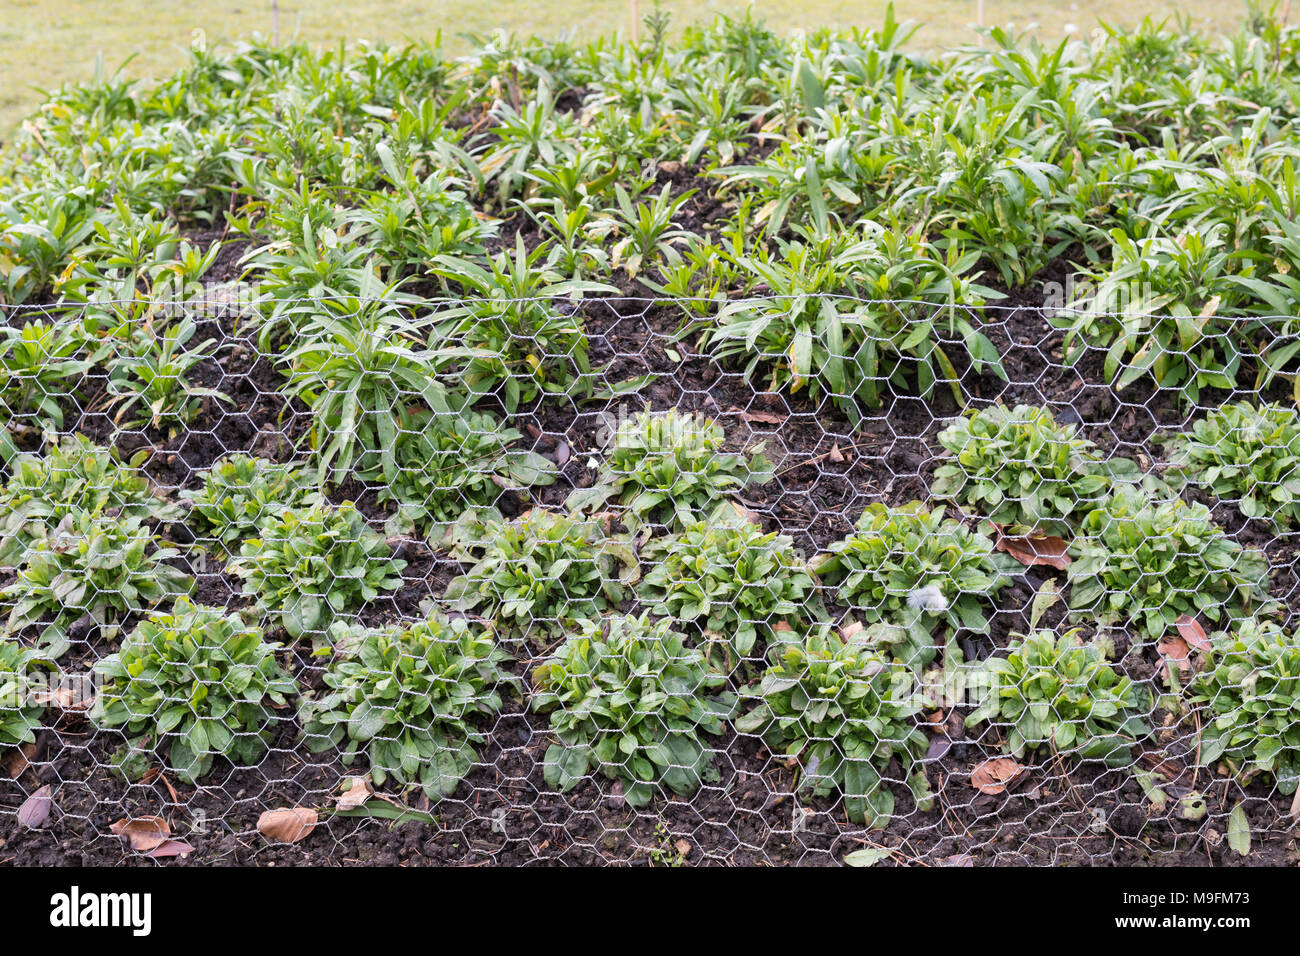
(689, 452)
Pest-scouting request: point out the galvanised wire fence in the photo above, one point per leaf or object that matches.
(362, 581)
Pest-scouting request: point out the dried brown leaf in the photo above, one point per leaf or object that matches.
(287, 824)
(762, 418)
(143, 833)
(995, 775)
(170, 848)
(36, 808)
(1191, 631)
(1035, 549)
(1173, 648)
(19, 759)
(357, 794)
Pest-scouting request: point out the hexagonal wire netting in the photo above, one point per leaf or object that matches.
(399, 601)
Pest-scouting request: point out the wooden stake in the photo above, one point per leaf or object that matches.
(275, 22)
(979, 13)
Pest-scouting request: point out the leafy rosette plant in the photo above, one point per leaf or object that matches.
(91, 564)
(669, 468)
(629, 699)
(312, 565)
(846, 713)
(1246, 455)
(1063, 694)
(1249, 694)
(447, 464)
(1151, 562)
(20, 716)
(77, 476)
(1019, 467)
(410, 696)
(732, 581)
(197, 683)
(542, 571)
(910, 567)
(39, 364)
(241, 494)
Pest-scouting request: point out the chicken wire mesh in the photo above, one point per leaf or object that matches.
(365, 584)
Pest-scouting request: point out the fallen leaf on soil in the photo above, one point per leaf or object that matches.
(357, 794)
(765, 418)
(169, 849)
(995, 775)
(752, 517)
(1191, 631)
(1173, 648)
(19, 759)
(1045, 597)
(867, 856)
(850, 629)
(288, 824)
(176, 797)
(1035, 549)
(64, 698)
(143, 833)
(835, 455)
(36, 808)
(1239, 830)
(683, 848)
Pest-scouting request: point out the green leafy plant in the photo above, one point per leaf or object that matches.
(542, 571)
(311, 565)
(1245, 454)
(448, 464)
(1150, 562)
(39, 365)
(197, 682)
(911, 567)
(20, 715)
(1247, 693)
(627, 698)
(845, 316)
(669, 468)
(1019, 467)
(731, 581)
(91, 564)
(360, 367)
(1062, 693)
(522, 339)
(151, 381)
(76, 476)
(845, 713)
(409, 697)
(240, 495)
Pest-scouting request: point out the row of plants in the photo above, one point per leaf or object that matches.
(79, 531)
(629, 699)
(721, 582)
(419, 235)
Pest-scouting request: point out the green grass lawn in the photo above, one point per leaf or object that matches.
(44, 43)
